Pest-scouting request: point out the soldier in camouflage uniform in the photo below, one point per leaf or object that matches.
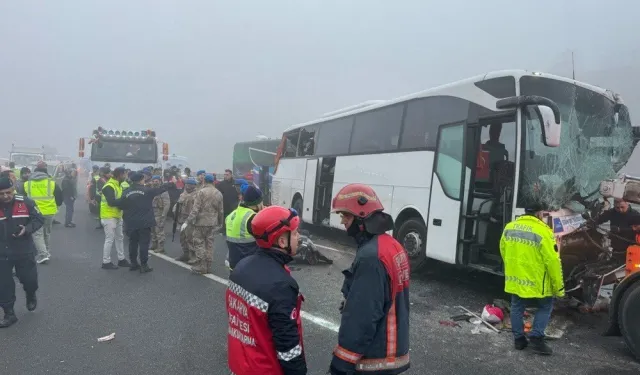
(185, 204)
(205, 217)
(161, 205)
(200, 179)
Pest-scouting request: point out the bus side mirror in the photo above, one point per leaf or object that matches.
(551, 129)
(547, 111)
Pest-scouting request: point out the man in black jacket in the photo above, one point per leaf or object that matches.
(19, 218)
(69, 194)
(137, 213)
(230, 194)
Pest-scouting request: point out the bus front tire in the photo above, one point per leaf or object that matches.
(412, 235)
(628, 312)
(297, 205)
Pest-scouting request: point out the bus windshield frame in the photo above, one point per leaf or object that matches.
(123, 150)
(592, 146)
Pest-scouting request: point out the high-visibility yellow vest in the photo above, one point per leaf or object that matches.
(124, 185)
(42, 192)
(236, 223)
(16, 172)
(106, 211)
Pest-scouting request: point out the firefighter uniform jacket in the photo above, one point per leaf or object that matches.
(374, 329)
(22, 211)
(265, 329)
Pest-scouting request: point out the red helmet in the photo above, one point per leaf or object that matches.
(271, 222)
(357, 199)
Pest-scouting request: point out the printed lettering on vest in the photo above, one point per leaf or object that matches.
(402, 267)
(239, 301)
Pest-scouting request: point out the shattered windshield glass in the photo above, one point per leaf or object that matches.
(592, 147)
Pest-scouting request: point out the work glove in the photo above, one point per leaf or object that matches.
(183, 227)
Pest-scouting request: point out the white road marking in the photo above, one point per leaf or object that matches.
(317, 320)
(334, 249)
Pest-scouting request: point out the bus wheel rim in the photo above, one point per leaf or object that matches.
(412, 243)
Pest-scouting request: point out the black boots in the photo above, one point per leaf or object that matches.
(145, 269)
(134, 266)
(521, 343)
(539, 346)
(32, 302)
(10, 318)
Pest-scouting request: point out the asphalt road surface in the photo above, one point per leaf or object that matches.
(172, 321)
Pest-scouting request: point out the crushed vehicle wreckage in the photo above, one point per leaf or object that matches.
(590, 264)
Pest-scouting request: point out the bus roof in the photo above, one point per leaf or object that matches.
(374, 104)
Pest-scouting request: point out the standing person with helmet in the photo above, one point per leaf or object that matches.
(48, 197)
(161, 205)
(240, 242)
(264, 301)
(205, 217)
(137, 213)
(183, 209)
(200, 178)
(111, 219)
(374, 329)
(19, 219)
(533, 274)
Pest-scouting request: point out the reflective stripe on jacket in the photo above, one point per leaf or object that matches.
(263, 306)
(532, 267)
(42, 192)
(106, 211)
(240, 241)
(374, 327)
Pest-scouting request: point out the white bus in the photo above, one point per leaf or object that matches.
(453, 164)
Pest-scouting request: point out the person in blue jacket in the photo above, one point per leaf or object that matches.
(137, 214)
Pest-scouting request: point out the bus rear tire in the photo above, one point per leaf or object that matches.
(628, 313)
(412, 235)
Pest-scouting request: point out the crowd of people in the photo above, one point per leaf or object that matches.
(263, 300)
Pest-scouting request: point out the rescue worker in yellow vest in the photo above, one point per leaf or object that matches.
(533, 274)
(12, 166)
(48, 197)
(111, 219)
(240, 241)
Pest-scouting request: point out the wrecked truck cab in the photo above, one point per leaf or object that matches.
(590, 263)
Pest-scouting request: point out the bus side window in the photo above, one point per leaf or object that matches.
(291, 144)
(306, 145)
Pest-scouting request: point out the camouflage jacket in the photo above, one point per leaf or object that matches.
(186, 204)
(207, 208)
(161, 205)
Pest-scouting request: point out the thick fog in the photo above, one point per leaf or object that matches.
(206, 74)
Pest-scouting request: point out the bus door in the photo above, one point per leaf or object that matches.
(310, 184)
(491, 156)
(447, 184)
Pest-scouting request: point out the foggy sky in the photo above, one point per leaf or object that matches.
(206, 74)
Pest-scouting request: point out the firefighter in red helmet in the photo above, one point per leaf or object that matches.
(263, 300)
(374, 329)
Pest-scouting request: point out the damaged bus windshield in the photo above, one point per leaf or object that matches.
(592, 146)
